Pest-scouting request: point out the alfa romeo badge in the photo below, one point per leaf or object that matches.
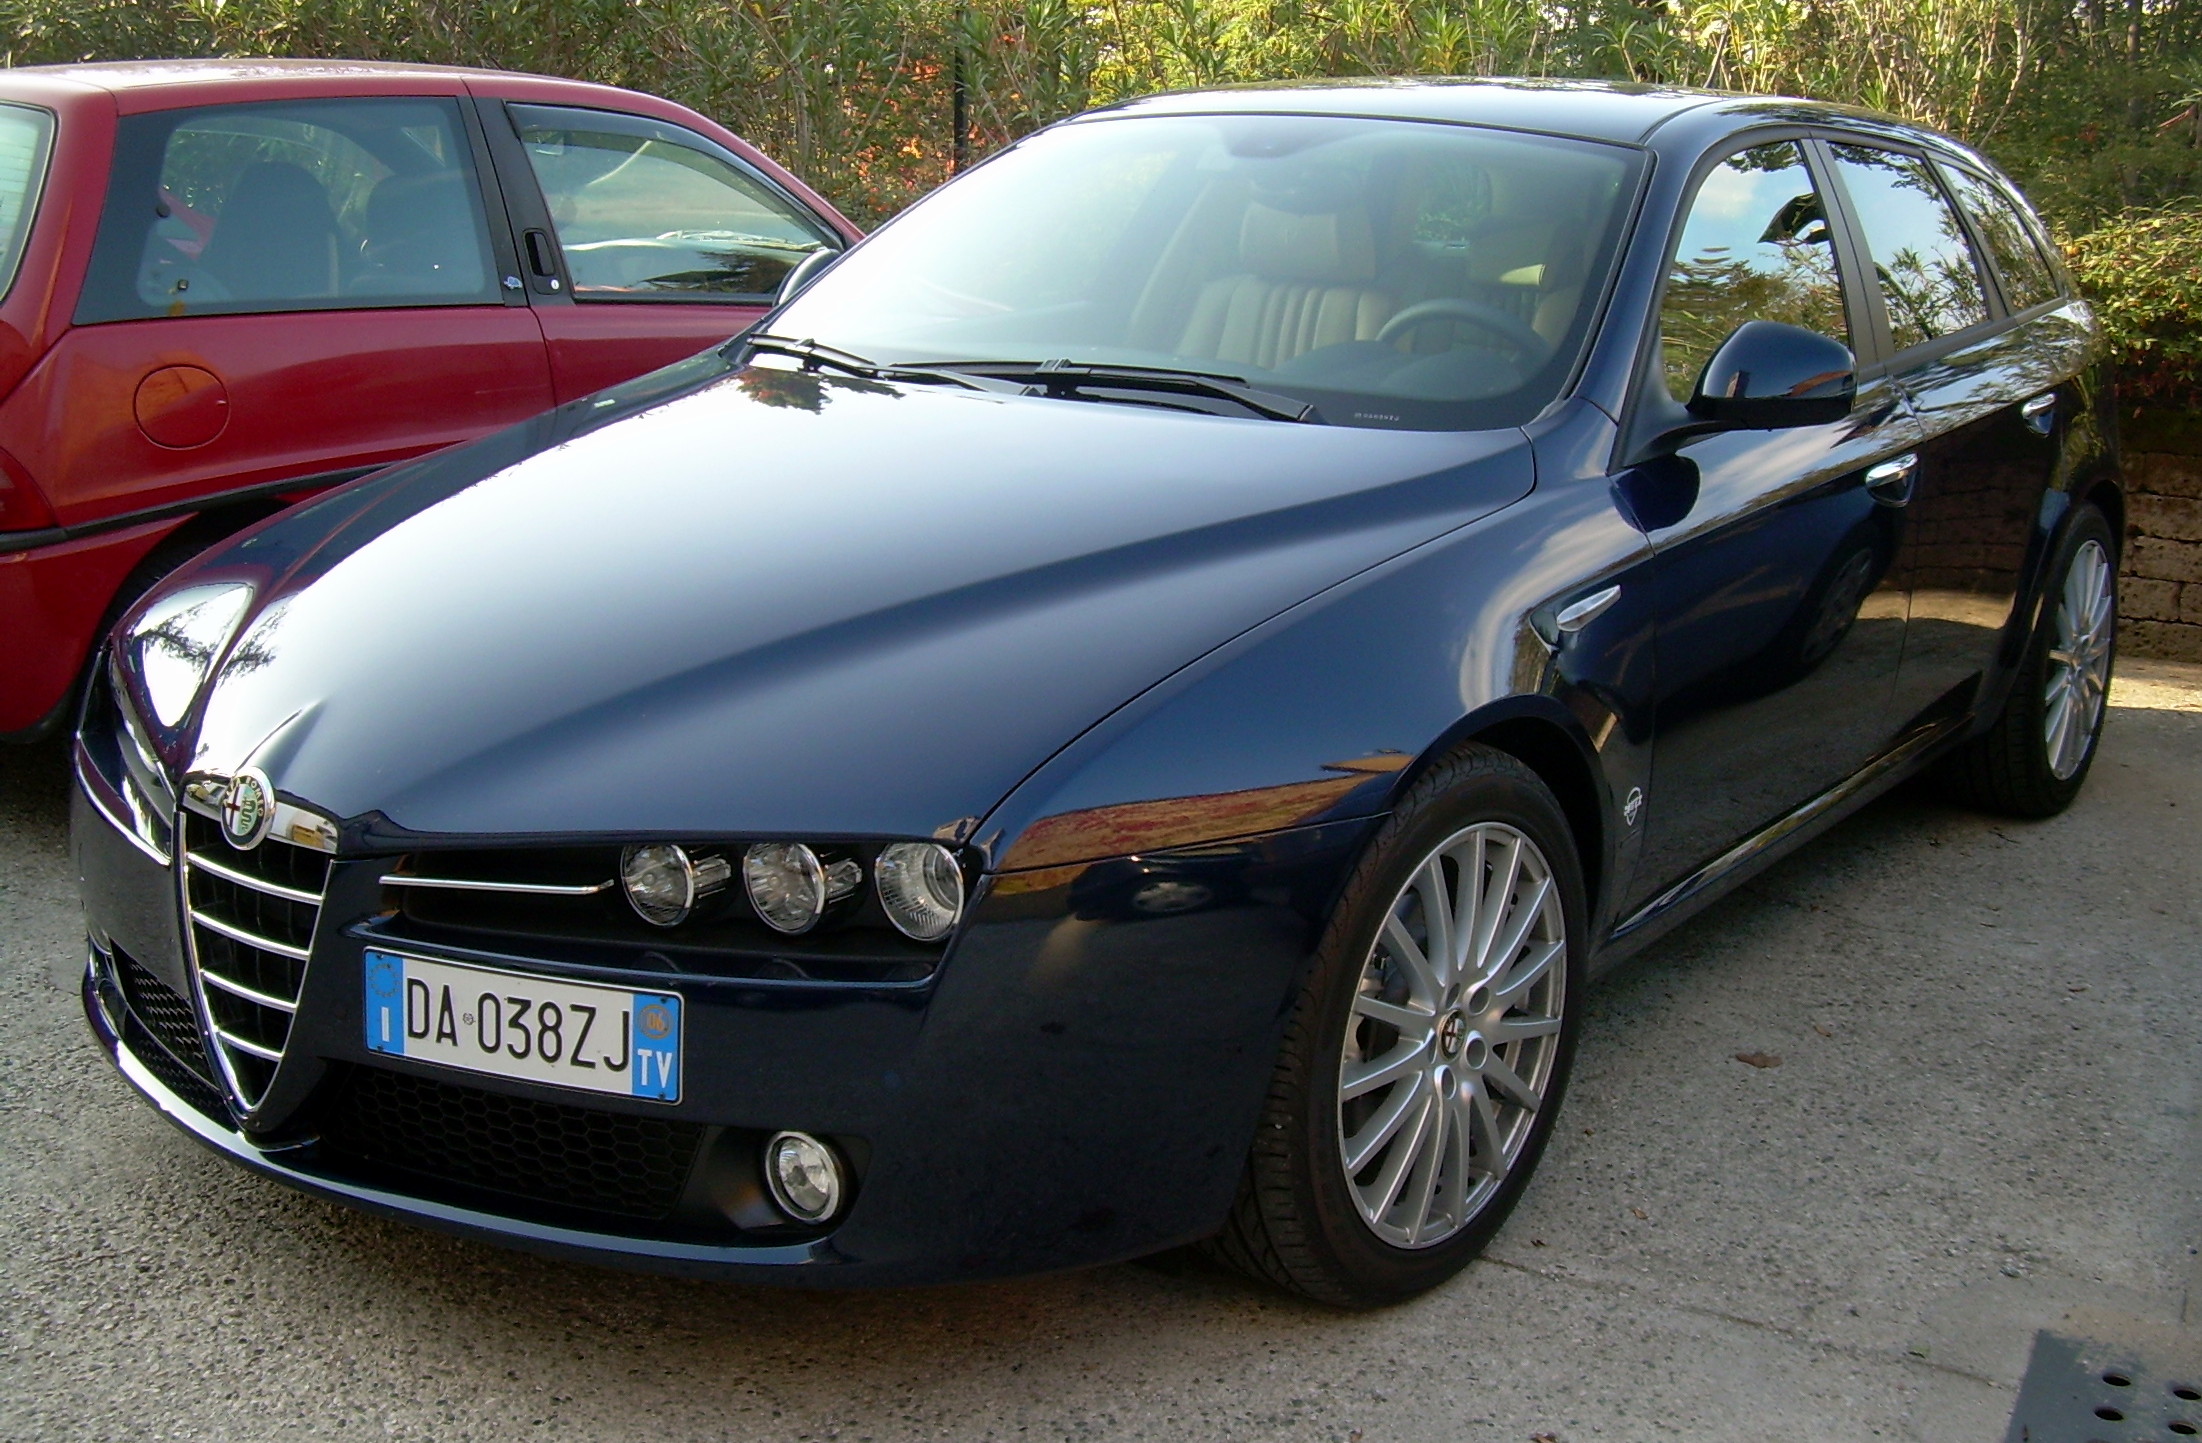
(247, 809)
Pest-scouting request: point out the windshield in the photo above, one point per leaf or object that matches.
(1393, 273)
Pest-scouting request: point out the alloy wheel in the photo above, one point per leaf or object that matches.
(2079, 660)
(1454, 1035)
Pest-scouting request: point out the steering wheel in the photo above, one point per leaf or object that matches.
(1535, 349)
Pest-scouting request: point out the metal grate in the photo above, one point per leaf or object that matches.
(162, 1032)
(2088, 1390)
(178, 1078)
(549, 1152)
(252, 924)
(163, 1012)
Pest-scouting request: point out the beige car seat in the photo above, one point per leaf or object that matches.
(1306, 282)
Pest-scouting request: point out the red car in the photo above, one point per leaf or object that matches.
(229, 284)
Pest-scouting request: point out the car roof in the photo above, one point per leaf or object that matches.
(143, 85)
(1614, 111)
(121, 75)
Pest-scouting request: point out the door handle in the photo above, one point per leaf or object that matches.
(1890, 482)
(2040, 407)
(541, 259)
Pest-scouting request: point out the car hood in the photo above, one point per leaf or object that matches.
(741, 601)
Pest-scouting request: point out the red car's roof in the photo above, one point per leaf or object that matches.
(137, 74)
(141, 85)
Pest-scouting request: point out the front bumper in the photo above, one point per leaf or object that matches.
(657, 1255)
(1077, 1083)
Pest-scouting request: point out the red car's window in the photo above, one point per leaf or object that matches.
(645, 211)
(26, 139)
(325, 206)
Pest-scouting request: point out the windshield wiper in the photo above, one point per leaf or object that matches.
(1065, 377)
(814, 355)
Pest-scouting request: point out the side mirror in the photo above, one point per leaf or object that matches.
(804, 271)
(1768, 375)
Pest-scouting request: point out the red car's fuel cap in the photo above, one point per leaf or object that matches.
(182, 406)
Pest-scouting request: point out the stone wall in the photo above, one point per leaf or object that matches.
(2160, 612)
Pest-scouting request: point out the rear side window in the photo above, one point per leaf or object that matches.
(334, 205)
(26, 139)
(648, 211)
(1756, 247)
(2027, 279)
(1929, 279)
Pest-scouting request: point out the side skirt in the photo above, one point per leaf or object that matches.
(1770, 844)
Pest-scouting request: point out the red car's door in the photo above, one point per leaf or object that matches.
(643, 241)
(280, 294)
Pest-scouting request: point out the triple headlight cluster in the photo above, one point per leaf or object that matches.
(792, 885)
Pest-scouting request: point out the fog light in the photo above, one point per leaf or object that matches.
(664, 883)
(804, 1176)
(921, 887)
(787, 884)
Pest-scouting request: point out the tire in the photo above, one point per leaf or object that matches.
(1304, 1222)
(2027, 764)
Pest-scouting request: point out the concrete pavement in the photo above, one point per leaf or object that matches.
(1987, 1114)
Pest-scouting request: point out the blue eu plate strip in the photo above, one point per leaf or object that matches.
(656, 1039)
(385, 1010)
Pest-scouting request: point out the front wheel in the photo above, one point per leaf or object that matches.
(1428, 1049)
(2032, 761)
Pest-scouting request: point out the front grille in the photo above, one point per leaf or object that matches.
(547, 1152)
(161, 1031)
(252, 924)
(163, 1013)
(176, 1076)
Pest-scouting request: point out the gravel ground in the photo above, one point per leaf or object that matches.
(1985, 1115)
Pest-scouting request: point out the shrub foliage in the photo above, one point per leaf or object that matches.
(2145, 271)
(2095, 105)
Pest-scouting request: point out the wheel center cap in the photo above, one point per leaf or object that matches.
(1450, 1032)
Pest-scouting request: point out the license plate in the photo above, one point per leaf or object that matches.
(512, 1024)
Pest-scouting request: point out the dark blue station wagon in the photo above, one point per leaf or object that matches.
(1129, 709)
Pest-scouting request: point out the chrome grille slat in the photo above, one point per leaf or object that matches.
(239, 989)
(529, 889)
(247, 1045)
(257, 884)
(248, 981)
(251, 939)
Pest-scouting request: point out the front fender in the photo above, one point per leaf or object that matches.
(1329, 710)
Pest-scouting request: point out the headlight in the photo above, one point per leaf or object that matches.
(664, 883)
(787, 885)
(174, 643)
(921, 887)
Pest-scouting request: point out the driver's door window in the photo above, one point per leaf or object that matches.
(1756, 247)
